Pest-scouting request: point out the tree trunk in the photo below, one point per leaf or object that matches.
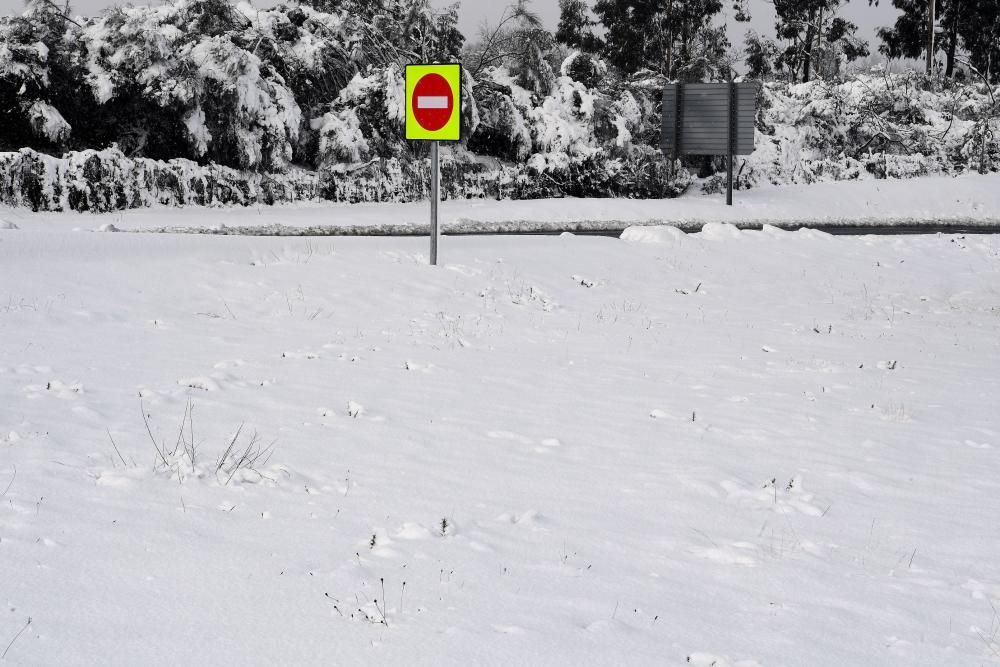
(819, 45)
(684, 38)
(949, 69)
(956, 7)
(808, 46)
(670, 38)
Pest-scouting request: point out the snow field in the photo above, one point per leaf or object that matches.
(730, 448)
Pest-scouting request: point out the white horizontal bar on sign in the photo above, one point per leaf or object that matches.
(432, 102)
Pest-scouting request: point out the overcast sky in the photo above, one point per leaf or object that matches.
(472, 13)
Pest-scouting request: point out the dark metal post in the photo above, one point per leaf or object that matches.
(435, 179)
(729, 181)
(680, 116)
(730, 136)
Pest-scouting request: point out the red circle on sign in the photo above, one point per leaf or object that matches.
(432, 102)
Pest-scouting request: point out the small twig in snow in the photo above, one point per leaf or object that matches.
(124, 464)
(10, 483)
(229, 449)
(4, 654)
(705, 535)
(381, 610)
(152, 439)
(334, 601)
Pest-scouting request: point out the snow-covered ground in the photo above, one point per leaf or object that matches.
(966, 200)
(730, 448)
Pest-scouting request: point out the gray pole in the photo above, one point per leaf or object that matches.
(729, 142)
(435, 178)
(930, 37)
(729, 182)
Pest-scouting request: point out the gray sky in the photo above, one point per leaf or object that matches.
(473, 12)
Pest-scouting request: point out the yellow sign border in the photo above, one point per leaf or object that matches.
(452, 73)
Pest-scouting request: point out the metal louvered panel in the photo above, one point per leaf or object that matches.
(668, 128)
(696, 118)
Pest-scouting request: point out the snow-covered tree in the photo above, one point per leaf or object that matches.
(817, 39)
(968, 28)
(518, 42)
(576, 27)
(40, 78)
(665, 36)
(760, 55)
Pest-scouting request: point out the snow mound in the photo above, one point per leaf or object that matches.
(807, 233)
(720, 231)
(652, 234)
(6, 224)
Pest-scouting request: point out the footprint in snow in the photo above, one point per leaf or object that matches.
(89, 413)
(24, 369)
(602, 625)
(980, 591)
(202, 383)
(530, 519)
(413, 531)
(774, 495)
(299, 355)
(119, 478)
(898, 646)
(412, 366)
(735, 554)
(510, 435)
(697, 486)
(700, 659)
(55, 388)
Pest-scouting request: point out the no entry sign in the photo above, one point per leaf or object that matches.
(433, 102)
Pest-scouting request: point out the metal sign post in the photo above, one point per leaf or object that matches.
(709, 119)
(435, 197)
(730, 136)
(433, 113)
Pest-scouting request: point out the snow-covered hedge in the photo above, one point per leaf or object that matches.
(873, 126)
(407, 180)
(107, 180)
